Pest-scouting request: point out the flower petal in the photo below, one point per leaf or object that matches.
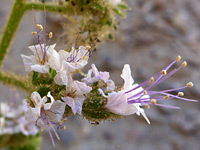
(32, 114)
(117, 103)
(48, 105)
(36, 99)
(70, 102)
(71, 67)
(28, 62)
(80, 88)
(40, 68)
(54, 60)
(62, 78)
(55, 114)
(126, 75)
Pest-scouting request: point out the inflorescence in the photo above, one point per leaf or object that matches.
(96, 97)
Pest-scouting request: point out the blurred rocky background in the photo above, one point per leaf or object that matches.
(152, 35)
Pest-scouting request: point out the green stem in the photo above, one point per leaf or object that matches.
(50, 7)
(17, 81)
(11, 28)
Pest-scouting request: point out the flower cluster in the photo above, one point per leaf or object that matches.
(57, 95)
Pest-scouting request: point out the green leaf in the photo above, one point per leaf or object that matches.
(118, 12)
(123, 6)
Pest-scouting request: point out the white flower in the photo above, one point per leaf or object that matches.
(76, 59)
(45, 114)
(38, 61)
(76, 97)
(64, 63)
(118, 101)
(98, 75)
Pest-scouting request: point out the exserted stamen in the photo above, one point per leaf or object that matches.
(171, 95)
(44, 35)
(167, 106)
(157, 76)
(151, 98)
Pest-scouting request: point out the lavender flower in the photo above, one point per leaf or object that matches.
(118, 101)
(132, 96)
(104, 76)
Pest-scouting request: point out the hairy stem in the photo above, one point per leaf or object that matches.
(11, 28)
(17, 81)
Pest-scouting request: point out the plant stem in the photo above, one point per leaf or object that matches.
(11, 28)
(17, 81)
(50, 7)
